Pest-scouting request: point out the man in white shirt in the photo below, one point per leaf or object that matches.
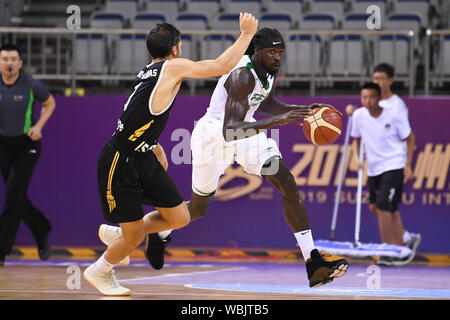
(384, 132)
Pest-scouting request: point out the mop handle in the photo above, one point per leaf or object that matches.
(359, 195)
(341, 178)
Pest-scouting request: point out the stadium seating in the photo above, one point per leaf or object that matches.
(334, 7)
(226, 21)
(214, 45)
(420, 7)
(128, 8)
(169, 7)
(280, 21)
(293, 7)
(235, 6)
(317, 21)
(210, 7)
(394, 51)
(300, 50)
(90, 54)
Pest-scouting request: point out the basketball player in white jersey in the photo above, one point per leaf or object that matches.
(383, 76)
(228, 133)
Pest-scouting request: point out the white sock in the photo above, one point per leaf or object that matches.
(103, 265)
(164, 234)
(406, 236)
(306, 242)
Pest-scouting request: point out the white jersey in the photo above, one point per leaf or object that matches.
(382, 138)
(216, 107)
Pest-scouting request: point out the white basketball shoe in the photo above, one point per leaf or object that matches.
(106, 283)
(107, 234)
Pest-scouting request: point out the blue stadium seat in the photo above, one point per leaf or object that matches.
(169, 7)
(147, 20)
(211, 7)
(360, 6)
(420, 7)
(192, 21)
(235, 6)
(300, 50)
(128, 8)
(347, 56)
(280, 21)
(293, 7)
(335, 7)
(317, 21)
(226, 21)
(395, 51)
(214, 45)
(90, 54)
(131, 54)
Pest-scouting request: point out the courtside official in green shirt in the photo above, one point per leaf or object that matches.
(20, 148)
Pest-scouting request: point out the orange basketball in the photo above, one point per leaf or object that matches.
(324, 126)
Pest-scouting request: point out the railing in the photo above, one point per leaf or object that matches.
(50, 54)
(439, 72)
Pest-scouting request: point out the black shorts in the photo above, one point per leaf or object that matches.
(386, 190)
(128, 181)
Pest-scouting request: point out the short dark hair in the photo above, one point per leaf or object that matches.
(372, 86)
(11, 47)
(161, 39)
(386, 68)
(262, 37)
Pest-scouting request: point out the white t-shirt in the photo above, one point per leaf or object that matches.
(396, 103)
(382, 138)
(218, 101)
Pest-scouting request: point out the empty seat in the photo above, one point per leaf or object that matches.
(420, 7)
(395, 51)
(90, 54)
(303, 55)
(132, 54)
(280, 21)
(169, 7)
(147, 20)
(128, 8)
(444, 56)
(335, 7)
(355, 21)
(347, 55)
(112, 20)
(407, 21)
(294, 7)
(186, 21)
(214, 45)
(317, 21)
(226, 21)
(236, 6)
(210, 7)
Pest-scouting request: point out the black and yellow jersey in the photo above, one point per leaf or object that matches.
(138, 128)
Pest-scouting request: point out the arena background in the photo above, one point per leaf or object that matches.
(246, 211)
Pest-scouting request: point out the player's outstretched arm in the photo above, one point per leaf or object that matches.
(185, 68)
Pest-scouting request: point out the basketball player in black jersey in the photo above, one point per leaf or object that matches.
(130, 172)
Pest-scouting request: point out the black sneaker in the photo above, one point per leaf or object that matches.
(322, 269)
(44, 250)
(154, 249)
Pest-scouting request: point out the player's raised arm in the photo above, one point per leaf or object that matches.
(185, 68)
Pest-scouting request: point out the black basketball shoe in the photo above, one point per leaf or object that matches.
(154, 249)
(321, 269)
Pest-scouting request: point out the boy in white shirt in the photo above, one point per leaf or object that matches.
(385, 132)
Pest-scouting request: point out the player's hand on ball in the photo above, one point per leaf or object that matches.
(291, 116)
(318, 105)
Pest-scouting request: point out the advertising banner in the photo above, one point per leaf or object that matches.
(246, 210)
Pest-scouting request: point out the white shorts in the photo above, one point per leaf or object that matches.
(211, 154)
